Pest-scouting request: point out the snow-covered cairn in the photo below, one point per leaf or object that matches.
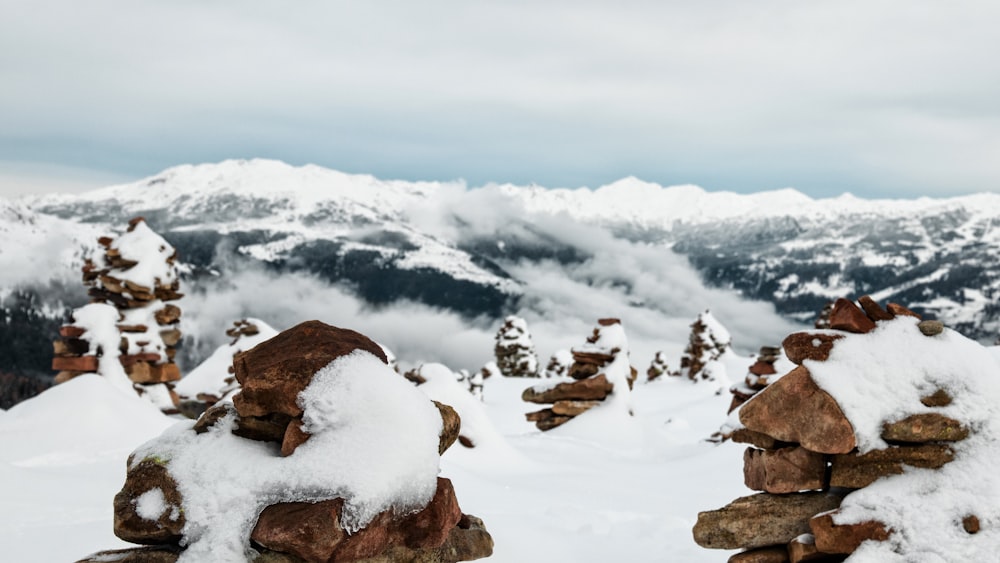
(214, 379)
(760, 374)
(514, 351)
(657, 367)
(881, 445)
(325, 454)
(129, 321)
(559, 363)
(600, 373)
(708, 341)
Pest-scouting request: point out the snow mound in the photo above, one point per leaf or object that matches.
(210, 375)
(442, 386)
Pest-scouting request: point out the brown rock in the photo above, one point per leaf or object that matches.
(795, 409)
(856, 471)
(803, 548)
(64, 376)
(785, 470)
(147, 475)
(211, 416)
(971, 524)
(801, 346)
(80, 363)
(274, 372)
(762, 368)
(295, 436)
(70, 347)
(583, 370)
(832, 538)
(130, 359)
(270, 428)
(170, 337)
(761, 520)
(451, 425)
(873, 310)
(552, 422)
(143, 372)
(609, 322)
(898, 310)
(849, 317)
(69, 331)
(313, 531)
(921, 428)
(773, 554)
(745, 436)
(939, 398)
(594, 388)
(467, 541)
(168, 315)
(573, 408)
(157, 554)
(931, 328)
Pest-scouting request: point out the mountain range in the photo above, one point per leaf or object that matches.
(476, 252)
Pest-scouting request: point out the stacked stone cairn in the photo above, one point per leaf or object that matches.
(804, 459)
(137, 274)
(657, 367)
(589, 384)
(708, 341)
(559, 364)
(759, 375)
(272, 376)
(823, 320)
(514, 351)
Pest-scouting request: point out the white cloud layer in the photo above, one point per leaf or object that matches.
(891, 98)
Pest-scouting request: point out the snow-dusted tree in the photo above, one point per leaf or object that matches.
(708, 340)
(559, 364)
(515, 353)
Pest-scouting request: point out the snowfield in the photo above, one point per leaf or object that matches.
(625, 489)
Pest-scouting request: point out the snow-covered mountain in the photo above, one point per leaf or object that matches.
(481, 253)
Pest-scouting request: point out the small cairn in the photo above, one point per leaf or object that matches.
(591, 383)
(708, 341)
(514, 351)
(137, 275)
(559, 364)
(804, 456)
(657, 367)
(276, 522)
(759, 375)
(823, 320)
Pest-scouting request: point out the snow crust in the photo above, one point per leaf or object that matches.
(374, 443)
(880, 377)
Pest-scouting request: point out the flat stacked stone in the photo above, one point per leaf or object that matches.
(148, 347)
(272, 375)
(803, 457)
(759, 375)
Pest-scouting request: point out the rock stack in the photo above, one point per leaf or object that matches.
(188, 497)
(759, 375)
(708, 341)
(597, 367)
(657, 367)
(823, 320)
(514, 351)
(559, 364)
(806, 456)
(137, 274)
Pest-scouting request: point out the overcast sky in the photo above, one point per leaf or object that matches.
(882, 99)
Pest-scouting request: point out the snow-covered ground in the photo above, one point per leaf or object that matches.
(611, 489)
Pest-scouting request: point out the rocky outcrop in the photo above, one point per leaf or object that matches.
(598, 367)
(804, 456)
(137, 275)
(150, 509)
(514, 351)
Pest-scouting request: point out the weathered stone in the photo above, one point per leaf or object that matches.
(922, 428)
(536, 416)
(170, 337)
(844, 538)
(931, 328)
(465, 441)
(573, 408)
(772, 554)
(80, 363)
(550, 423)
(762, 368)
(785, 470)
(70, 347)
(860, 470)
(801, 346)
(157, 554)
(194, 408)
(899, 311)
(274, 372)
(803, 548)
(130, 359)
(794, 409)
(971, 524)
(143, 372)
(467, 541)
(610, 321)
(849, 317)
(69, 331)
(873, 310)
(745, 436)
(594, 388)
(451, 425)
(146, 477)
(168, 315)
(761, 520)
(211, 416)
(295, 436)
(269, 428)
(313, 531)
